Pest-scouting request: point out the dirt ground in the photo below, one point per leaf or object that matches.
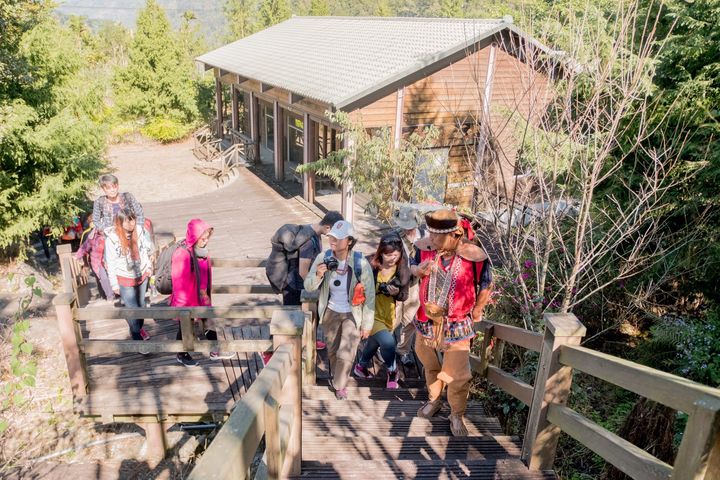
(46, 425)
(154, 172)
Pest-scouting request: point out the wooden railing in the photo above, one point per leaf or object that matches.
(271, 408)
(699, 455)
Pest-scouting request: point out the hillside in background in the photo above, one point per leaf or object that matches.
(208, 12)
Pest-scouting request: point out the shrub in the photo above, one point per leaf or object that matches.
(166, 130)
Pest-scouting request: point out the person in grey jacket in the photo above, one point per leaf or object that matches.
(107, 206)
(346, 317)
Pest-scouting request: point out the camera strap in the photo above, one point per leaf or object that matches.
(357, 265)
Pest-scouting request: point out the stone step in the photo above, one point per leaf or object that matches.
(378, 408)
(410, 448)
(366, 393)
(343, 426)
(492, 469)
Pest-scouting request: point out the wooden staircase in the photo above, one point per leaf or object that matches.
(376, 433)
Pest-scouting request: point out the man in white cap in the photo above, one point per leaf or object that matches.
(406, 220)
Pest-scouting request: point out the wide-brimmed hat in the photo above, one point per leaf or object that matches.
(442, 221)
(342, 229)
(405, 218)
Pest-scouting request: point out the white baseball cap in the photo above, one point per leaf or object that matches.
(342, 229)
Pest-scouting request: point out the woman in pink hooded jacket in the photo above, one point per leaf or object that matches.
(192, 280)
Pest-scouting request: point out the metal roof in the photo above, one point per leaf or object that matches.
(340, 60)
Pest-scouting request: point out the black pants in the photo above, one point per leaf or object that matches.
(291, 296)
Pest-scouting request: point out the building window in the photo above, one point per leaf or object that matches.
(295, 139)
(268, 128)
(431, 174)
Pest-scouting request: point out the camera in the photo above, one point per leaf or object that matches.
(331, 263)
(383, 286)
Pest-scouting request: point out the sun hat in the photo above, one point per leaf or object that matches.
(405, 218)
(342, 229)
(442, 221)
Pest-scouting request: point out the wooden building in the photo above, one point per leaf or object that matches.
(461, 75)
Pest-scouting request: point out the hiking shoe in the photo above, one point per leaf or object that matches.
(186, 359)
(392, 380)
(407, 360)
(144, 334)
(341, 394)
(429, 409)
(221, 355)
(320, 345)
(266, 356)
(457, 425)
(361, 371)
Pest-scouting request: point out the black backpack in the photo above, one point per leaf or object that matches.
(286, 244)
(163, 269)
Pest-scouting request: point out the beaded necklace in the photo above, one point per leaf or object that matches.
(444, 298)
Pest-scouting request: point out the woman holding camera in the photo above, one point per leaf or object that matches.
(346, 305)
(392, 276)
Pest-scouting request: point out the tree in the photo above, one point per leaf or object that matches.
(374, 166)
(240, 17)
(157, 82)
(383, 9)
(451, 8)
(272, 12)
(319, 8)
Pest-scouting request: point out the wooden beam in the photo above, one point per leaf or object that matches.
(243, 289)
(264, 87)
(517, 336)
(294, 98)
(98, 347)
(240, 79)
(675, 392)
(71, 342)
(238, 262)
(347, 195)
(279, 130)
(165, 313)
(255, 128)
(699, 453)
(510, 384)
(235, 108)
(308, 178)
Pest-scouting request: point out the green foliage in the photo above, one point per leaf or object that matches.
(241, 19)
(23, 367)
(383, 9)
(273, 11)
(451, 8)
(157, 82)
(165, 130)
(378, 169)
(319, 8)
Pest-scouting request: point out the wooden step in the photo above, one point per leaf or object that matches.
(410, 448)
(376, 382)
(342, 426)
(493, 469)
(378, 408)
(366, 393)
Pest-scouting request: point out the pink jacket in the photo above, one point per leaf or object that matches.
(185, 289)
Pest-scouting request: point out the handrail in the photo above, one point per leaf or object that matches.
(699, 455)
(271, 408)
(231, 453)
(167, 313)
(250, 262)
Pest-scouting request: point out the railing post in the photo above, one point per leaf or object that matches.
(552, 385)
(188, 332)
(286, 326)
(309, 305)
(699, 455)
(74, 278)
(486, 348)
(273, 443)
(71, 339)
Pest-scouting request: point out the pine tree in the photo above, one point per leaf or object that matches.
(319, 8)
(157, 82)
(383, 9)
(240, 16)
(273, 11)
(451, 8)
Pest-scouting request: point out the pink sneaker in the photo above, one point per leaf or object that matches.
(320, 345)
(361, 371)
(341, 394)
(392, 383)
(144, 334)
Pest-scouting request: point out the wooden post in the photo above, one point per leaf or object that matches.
(286, 326)
(254, 129)
(309, 155)
(279, 129)
(71, 338)
(552, 385)
(218, 108)
(326, 141)
(188, 332)
(486, 348)
(699, 455)
(156, 442)
(75, 277)
(235, 109)
(347, 196)
(309, 306)
(273, 444)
